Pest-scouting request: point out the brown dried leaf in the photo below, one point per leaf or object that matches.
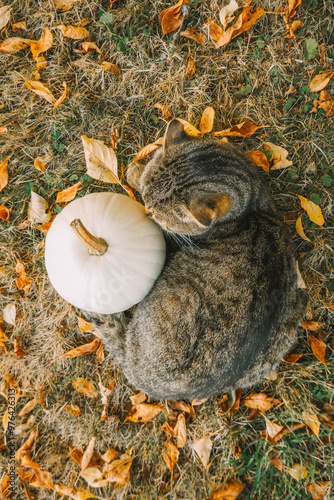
(143, 412)
(110, 455)
(207, 120)
(312, 325)
(320, 81)
(281, 434)
(136, 399)
(101, 160)
(272, 429)
(4, 173)
(27, 446)
(181, 431)
(77, 33)
(277, 463)
(22, 25)
(260, 401)
(22, 282)
(74, 493)
(291, 28)
(145, 151)
(203, 449)
(73, 410)
(41, 90)
(4, 15)
(297, 471)
(13, 44)
(326, 103)
(300, 281)
(191, 68)
(3, 130)
(42, 162)
(166, 112)
(259, 158)
(108, 66)
(27, 408)
(82, 350)
(319, 491)
(39, 478)
(171, 18)
(194, 35)
(88, 47)
(300, 229)
(62, 98)
(85, 326)
(38, 209)
(182, 406)
(215, 31)
(230, 491)
(118, 472)
(18, 351)
(279, 156)
(328, 408)
(83, 386)
(43, 44)
(64, 4)
(100, 353)
(291, 6)
(292, 358)
(4, 213)
(244, 129)
(88, 454)
(244, 22)
(312, 421)
(318, 348)
(68, 194)
(170, 455)
(313, 210)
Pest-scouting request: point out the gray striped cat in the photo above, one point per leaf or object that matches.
(226, 306)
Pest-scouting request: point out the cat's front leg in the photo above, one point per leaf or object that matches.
(133, 176)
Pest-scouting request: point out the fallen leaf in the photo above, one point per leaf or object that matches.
(9, 314)
(272, 429)
(143, 412)
(88, 47)
(297, 471)
(87, 454)
(260, 159)
(82, 350)
(73, 410)
(68, 194)
(230, 491)
(93, 476)
(226, 13)
(172, 17)
(5, 483)
(328, 408)
(170, 455)
(182, 406)
(166, 112)
(181, 431)
(260, 401)
(312, 421)
(279, 156)
(320, 81)
(191, 68)
(4, 213)
(101, 161)
(318, 348)
(43, 44)
(194, 35)
(13, 44)
(100, 353)
(203, 449)
(320, 490)
(292, 358)
(4, 15)
(244, 22)
(326, 103)
(145, 151)
(5, 421)
(40, 89)
(74, 493)
(3, 336)
(27, 408)
(300, 230)
(39, 478)
(62, 98)
(110, 455)
(108, 66)
(291, 6)
(77, 33)
(64, 4)
(136, 399)
(313, 210)
(37, 209)
(4, 173)
(77, 454)
(22, 282)
(312, 325)
(85, 326)
(18, 351)
(19, 429)
(291, 28)
(198, 402)
(83, 386)
(277, 463)
(190, 129)
(3, 130)
(207, 120)
(27, 446)
(215, 31)
(244, 129)
(300, 281)
(118, 472)
(21, 25)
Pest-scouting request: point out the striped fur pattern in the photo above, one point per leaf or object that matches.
(225, 309)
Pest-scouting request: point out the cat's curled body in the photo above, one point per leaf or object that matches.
(225, 308)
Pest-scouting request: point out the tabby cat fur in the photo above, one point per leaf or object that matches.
(225, 309)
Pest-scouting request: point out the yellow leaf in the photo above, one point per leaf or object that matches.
(230, 491)
(82, 350)
(4, 15)
(74, 493)
(259, 401)
(118, 471)
(37, 209)
(272, 428)
(170, 455)
(85, 326)
(77, 33)
(292, 27)
(181, 431)
(5, 421)
(108, 66)
(313, 210)
(136, 399)
(64, 4)
(190, 129)
(312, 421)
(3, 336)
(207, 120)
(319, 82)
(42, 162)
(244, 129)
(83, 386)
(245, 21)
(226, 13)
(22, 25)
(88, 47)
(4, 173)
(27, 408)
(297, 471)
(300, 230)
(203, 449)
(13, 44)
(143, 412)
(40, 90)
(194, 35)
(279, 156)
(68, 194)
(191, 68)
(101, 161)
(215, 31)
(93, 476)
(61, 98)
(87, 454)
(43, 44)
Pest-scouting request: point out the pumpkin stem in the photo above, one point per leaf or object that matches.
(96, 246)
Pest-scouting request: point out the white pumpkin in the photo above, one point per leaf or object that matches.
(113, 267)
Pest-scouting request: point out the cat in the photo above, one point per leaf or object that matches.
(226, 307)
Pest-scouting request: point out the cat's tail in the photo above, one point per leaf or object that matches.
(111, 328)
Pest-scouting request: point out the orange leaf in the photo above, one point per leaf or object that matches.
(291, 28)
(136, 399)
(38, 478)
(143, 412)
(22, 282)
(312, 421)
(230, 491)
(181, 431)
(194, 35)
(19, 352)
(43, 44)
(318, 348)
(68, 194)
(319, 491)
(110, 455)
(244, 129)
(292, 358)
(61, 98)
(260, 401)
(300, 229)
(4, 173)
(118, 472)
(73, 410)
(108, 66)
(75, 493)
(88, 47)
(166, 112)
(170, 455)
(14, 44)
(191, 68)
(313, 210)
(215, 31)
(42, 162)
(319, 82)
(277, 463)
(83, 386)
(145, 151)
(77, 33)
(22, 25)
(207, 120)
(272, 429)
(27, 408)
(27, 445)
(259, 158)
(281, 434)
(312, 325)
(171, 18)
(85, 326)
(64, 4)
(100, 353)
(4, 213)
(40, 396)
(3, 130)
(245, 21)
(290, 9)
(40, 89)
(82, 350)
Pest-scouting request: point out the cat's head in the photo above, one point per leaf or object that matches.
(176, 191)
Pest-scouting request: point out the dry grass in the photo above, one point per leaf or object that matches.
(153, 70)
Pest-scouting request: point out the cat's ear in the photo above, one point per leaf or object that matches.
(208, 208)
(175, 134)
